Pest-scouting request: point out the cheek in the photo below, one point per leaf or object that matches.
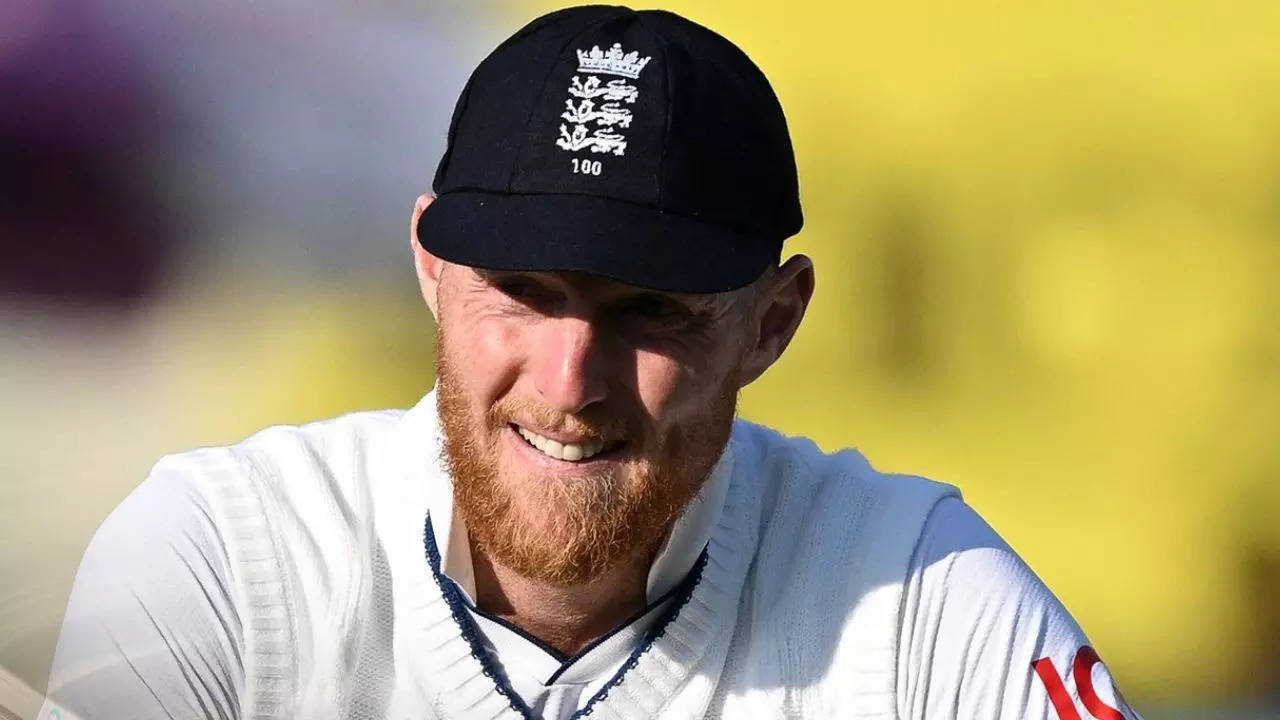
(675, 389)
(664, 385)
(497, 343)
(488, 353)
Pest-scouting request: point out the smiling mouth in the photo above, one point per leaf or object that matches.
(569, 452)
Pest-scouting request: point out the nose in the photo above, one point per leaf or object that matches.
(568, 366)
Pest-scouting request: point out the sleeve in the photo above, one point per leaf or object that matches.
(984, 639)
(151, 630)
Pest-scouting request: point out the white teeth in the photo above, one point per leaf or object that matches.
(573, 452)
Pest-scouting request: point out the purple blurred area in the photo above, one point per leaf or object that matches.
(137, 137)
(77, 141)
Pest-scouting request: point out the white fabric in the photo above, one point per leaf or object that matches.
(285, 577)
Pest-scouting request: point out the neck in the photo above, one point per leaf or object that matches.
(565, 617)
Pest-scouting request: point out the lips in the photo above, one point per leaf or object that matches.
(571, 452)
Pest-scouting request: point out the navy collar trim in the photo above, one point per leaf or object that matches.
(566, 661)
(459, 606)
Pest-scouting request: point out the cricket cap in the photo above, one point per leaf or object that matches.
(636, 145)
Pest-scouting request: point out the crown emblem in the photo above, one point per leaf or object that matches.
(612, 61)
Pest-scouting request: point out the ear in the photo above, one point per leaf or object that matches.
(780, 305)
(428, 266)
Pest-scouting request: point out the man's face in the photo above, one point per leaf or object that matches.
(580, 414)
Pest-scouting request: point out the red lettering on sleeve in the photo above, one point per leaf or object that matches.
(1082, 668)
(1057, 691)
(1082, 672)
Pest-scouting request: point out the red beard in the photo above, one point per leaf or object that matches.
(573, 529)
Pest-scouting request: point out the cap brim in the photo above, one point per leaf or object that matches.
(623, 241)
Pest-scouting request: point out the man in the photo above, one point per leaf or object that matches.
(572, 522)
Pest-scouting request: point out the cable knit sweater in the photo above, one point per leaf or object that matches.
(308, 551)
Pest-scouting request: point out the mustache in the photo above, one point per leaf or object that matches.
(596, 423)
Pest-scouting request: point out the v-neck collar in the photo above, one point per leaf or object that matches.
(668, 604)
(447, 661)
(460, 609)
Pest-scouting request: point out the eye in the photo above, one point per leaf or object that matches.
(653, 307)
(526, 291)
(517, 287)
(523, 288)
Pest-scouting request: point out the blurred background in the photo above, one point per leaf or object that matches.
(1047, 238)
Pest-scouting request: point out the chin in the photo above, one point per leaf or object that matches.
(542, 494)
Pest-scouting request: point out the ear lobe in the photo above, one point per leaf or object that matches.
(778, 314)
(427, 266)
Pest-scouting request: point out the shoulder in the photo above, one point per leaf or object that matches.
(279, 482)
(980, 631)
(291, 507)
(964, 575)
(337, 447)
(288, 469)
(830, 519)
(835, 541)
(797, 478)
(154, 590)
(305, 488)
(961, 564)
(169, 517)
(191, 581)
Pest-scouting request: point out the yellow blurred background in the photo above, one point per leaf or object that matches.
(1047, 238)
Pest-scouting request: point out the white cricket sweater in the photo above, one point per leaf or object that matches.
(303, 553)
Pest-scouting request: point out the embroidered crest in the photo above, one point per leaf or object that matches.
(595, 112)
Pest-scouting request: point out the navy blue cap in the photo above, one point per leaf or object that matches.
(635, 145)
